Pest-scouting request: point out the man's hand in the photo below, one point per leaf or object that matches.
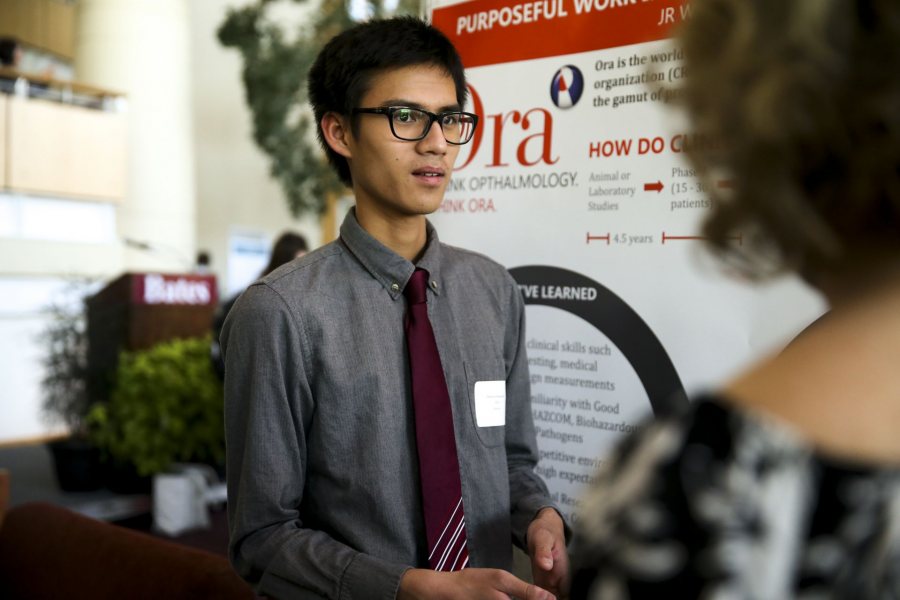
(547, 549)
(468, 584)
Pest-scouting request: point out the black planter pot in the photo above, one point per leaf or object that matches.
(77, 465)
(123, 478)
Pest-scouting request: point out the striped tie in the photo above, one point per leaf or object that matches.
(445, 522)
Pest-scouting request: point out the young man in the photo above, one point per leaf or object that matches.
(380, 441)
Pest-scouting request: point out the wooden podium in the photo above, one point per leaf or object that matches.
(138, 310)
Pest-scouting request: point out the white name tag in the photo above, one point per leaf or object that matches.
(490, 403)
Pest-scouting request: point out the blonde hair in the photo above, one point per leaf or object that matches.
(802, 100)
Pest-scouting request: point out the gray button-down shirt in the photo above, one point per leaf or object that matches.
(323, 485)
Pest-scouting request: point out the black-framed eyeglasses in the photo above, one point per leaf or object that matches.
(413, 124)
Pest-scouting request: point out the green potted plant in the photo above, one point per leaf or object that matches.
(165, 408)
(65, 391)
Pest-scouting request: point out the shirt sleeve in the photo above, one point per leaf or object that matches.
(528, 492)
(269, 406)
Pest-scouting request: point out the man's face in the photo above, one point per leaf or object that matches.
(396, 177)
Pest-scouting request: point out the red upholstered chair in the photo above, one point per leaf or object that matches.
(50, 552)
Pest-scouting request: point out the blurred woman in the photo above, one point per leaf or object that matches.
(288, 246)
(786, 483)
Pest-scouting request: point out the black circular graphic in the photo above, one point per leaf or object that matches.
(616, 320)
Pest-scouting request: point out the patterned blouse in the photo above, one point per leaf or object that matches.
(716, 503)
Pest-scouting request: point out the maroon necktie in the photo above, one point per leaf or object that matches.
(445, 524)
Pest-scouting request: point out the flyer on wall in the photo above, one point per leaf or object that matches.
(577, 182)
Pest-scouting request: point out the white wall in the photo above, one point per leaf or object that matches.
(141, 48)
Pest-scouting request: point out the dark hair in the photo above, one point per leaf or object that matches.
(285, 250)
(8, 51)
(802, 100)
(342, 72)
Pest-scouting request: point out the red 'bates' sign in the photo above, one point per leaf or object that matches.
(156, 288)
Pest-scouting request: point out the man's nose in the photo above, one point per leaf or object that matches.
(434, 140)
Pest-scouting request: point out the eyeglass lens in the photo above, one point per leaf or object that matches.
(413, 124)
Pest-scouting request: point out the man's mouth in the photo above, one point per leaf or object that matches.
(428, 172)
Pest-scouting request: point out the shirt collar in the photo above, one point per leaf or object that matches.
(389, 268)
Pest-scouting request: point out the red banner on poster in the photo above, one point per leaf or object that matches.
(490, 32)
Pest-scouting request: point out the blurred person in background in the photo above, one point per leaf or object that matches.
(10, 57)
(288, 246)
(10, 53)
(786, 482)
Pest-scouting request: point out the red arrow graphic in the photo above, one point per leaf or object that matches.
(653, 187)
(739, 238)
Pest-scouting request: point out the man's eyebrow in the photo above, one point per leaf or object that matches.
(410, 104)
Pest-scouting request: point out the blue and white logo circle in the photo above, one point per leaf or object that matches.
(567, 86)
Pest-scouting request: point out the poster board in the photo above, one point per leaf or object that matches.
(577, 182)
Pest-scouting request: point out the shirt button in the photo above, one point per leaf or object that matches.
(395, 287)
(433, 284)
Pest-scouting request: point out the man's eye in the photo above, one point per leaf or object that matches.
(451, 119)
(405, 116)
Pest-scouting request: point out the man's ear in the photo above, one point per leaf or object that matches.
(336, 131)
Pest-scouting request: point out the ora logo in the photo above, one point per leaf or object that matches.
(567, 86)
